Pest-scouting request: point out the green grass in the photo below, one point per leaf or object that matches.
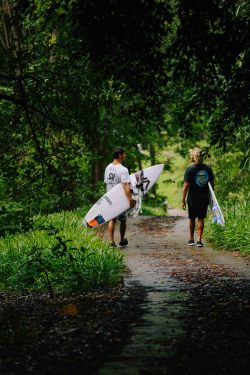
(60, 254)
(170, 182)
(235, 235)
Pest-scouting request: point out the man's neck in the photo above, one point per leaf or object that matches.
(117, 162)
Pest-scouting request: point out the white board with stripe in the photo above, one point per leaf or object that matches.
(115, 201)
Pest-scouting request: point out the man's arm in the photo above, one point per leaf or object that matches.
(126, 187)
(184, 194)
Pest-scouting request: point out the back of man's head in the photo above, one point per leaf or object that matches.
(196, 155)
(118, 151)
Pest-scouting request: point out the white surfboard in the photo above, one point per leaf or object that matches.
(217, 213)
(115, 201)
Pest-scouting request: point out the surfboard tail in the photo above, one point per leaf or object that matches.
(95, 222)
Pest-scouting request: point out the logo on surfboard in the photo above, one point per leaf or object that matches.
(141, 180)
(98, 220)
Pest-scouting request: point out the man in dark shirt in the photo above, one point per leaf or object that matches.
(196, 190)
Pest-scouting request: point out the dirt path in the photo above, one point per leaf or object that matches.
(197, 311)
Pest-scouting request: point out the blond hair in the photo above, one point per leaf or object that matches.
(196, 155)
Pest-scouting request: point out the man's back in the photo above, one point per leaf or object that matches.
(198, 176)
(114, 174)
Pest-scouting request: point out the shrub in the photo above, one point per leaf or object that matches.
(60, 254)
(235, 235)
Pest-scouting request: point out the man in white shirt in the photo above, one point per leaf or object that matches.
(116, 173)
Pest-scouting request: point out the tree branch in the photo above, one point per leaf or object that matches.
(10, 99)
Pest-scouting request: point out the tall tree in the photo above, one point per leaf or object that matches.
(211, 57)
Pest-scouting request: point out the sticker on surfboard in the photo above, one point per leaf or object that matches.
(115, 201)
(216, 210)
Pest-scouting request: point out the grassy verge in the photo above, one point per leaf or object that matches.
(59, 254)
(169, 184)
(235, 235)
(171, 180)
(154, 207)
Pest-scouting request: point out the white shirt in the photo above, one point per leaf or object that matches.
(114, 174)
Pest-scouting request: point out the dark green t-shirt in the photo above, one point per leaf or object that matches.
(198, 176)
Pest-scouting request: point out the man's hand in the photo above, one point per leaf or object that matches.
(126, 187)
(132, 202)
(184, 194)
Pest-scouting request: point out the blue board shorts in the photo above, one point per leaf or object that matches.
(122, 216)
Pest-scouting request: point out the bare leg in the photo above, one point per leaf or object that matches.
(111, 230)
(122, 229)
(191, 228)
(200, 228)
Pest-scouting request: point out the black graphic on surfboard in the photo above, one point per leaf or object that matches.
(141, 180)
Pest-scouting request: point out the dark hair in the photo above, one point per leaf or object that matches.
(118, 151)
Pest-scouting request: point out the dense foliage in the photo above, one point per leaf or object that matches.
(232, 186)
(211, 61)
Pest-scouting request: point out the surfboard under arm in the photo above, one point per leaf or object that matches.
(115, 201)
(218, 215)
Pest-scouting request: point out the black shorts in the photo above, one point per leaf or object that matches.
(194, 212)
